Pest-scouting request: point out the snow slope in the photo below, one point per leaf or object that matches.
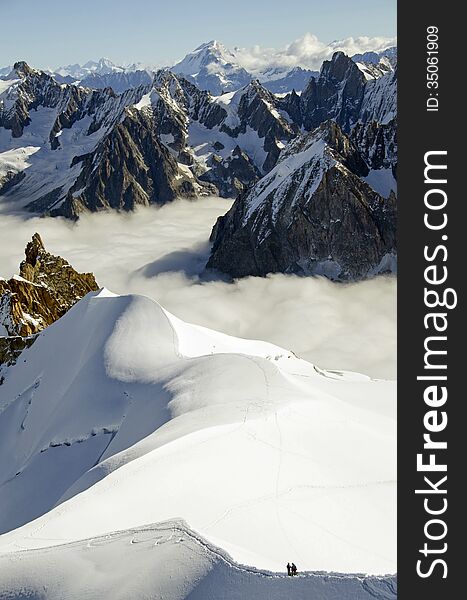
(48, 171)
(45, 169)
(120, 415)
(169, 561)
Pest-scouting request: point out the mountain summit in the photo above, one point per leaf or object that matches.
(212, 67)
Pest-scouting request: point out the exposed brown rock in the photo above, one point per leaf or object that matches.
(47, 287)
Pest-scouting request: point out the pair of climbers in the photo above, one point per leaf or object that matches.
(291, 569)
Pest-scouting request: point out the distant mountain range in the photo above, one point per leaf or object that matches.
(214, 68)
(211, 66)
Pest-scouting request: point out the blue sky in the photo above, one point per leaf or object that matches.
(49, 33)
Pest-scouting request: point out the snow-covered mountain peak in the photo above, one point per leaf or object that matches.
(331, 136)
(213, 46)
(213, 67)
(306, 213)
(163, 78)
(207, 54)
(103, 66)
(375, 70)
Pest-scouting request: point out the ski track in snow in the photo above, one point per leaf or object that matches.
(178, 538)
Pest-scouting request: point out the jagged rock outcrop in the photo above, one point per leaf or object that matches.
(34, 89)
(258, 111)
(166, 139)
(328, 205)
(312, 214)
(249, 120)
(336, 94)
(347, 92)
(46, 288)
(116, 155)
(130, 167)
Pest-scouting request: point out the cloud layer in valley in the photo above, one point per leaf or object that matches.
(160, 252)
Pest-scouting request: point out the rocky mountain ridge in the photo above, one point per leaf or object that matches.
(313, 213)
(74, 149)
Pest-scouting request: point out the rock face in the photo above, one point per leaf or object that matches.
(113, 156)
(10, 349)
(347, 92)
(130, 167)
(47, 287)
(377, 143)
(336, 94)
(312, 214)
(321, 202)
(36, 88)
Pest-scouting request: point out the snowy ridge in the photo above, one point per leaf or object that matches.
(133, 407)
(386, 55)
(77, 121)
(205, 569)
(375, 71)
(308, 154)
(31, 147)
(305, 160)
(305, 214)
(103, 66)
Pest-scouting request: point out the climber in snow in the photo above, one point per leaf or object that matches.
(294, 569)
(289, 569)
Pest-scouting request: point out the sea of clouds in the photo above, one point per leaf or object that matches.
(161, 252)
